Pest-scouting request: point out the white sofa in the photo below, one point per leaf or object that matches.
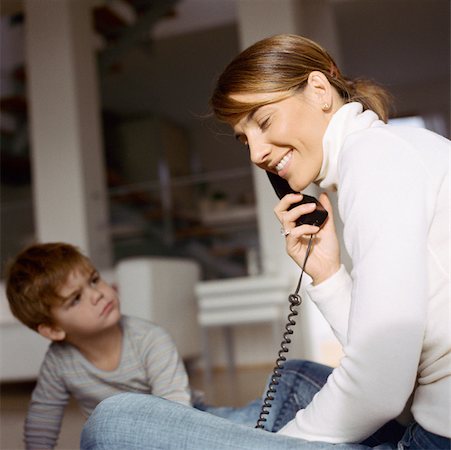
(153, 288)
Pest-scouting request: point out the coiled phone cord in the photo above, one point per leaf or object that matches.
(295, 300)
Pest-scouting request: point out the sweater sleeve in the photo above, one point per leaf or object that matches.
(383, 191)
(46, 409)
(333, 299)
(165, 368)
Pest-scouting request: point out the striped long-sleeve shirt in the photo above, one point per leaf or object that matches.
(149, 364)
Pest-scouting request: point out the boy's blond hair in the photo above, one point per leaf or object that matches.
(36, 275)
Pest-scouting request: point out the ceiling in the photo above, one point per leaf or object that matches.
(410, 37)
(196, 15)
(10, 7)
(396, 42)
(399, 43)
(190, 15)
(399, 30)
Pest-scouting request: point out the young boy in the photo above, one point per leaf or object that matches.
(95, 351)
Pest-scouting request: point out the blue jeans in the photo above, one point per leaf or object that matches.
(139, 422)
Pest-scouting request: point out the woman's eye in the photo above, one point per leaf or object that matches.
(264, 124)
(243, 140)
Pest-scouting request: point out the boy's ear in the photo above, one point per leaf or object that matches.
(51, 332)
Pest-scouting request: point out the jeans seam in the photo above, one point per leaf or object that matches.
(289, 399)
(304, 377)
(424, 438)
(300, 376)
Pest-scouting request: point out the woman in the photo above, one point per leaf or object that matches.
(302, 120)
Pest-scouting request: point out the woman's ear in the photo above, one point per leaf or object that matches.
(51, 332)
(320, 90)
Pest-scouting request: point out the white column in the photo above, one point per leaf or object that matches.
(258, 19)
(314, 19)
(69, 182)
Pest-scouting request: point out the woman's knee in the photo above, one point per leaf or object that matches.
(297, 365)
(110, 415)
(314, 372)
(114, 403)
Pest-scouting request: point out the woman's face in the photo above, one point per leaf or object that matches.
(285, 137)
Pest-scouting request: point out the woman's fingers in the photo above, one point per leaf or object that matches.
(294, 214)
(288, 217)
(285, 203)
(325, 255)
(303, 230)
(285, 215)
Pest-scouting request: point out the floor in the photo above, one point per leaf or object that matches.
(225, 390)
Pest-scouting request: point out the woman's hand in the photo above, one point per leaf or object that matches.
(324, 259)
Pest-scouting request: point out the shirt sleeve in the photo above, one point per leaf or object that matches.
(165, 368)
(383, 205)
(48, 401)
(333, 299)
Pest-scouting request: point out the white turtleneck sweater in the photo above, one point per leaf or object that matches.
(392, 314)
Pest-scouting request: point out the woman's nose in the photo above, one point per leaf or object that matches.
(259, 150)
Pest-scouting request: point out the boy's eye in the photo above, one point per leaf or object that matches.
(75, 301)
(95, 279)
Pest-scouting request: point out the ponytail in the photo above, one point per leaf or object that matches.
(367, 92)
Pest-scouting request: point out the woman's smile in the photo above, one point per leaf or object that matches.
(283, 163)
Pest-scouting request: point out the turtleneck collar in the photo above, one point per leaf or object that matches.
(348, 119)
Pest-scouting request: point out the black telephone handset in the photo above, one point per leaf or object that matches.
(282, 188)
(317, 217)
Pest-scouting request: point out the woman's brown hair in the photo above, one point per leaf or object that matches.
(282, 63)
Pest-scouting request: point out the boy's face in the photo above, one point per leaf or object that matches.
(90, 305)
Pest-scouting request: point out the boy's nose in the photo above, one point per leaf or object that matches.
(96, 295)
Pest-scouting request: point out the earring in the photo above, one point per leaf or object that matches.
(325, 106)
